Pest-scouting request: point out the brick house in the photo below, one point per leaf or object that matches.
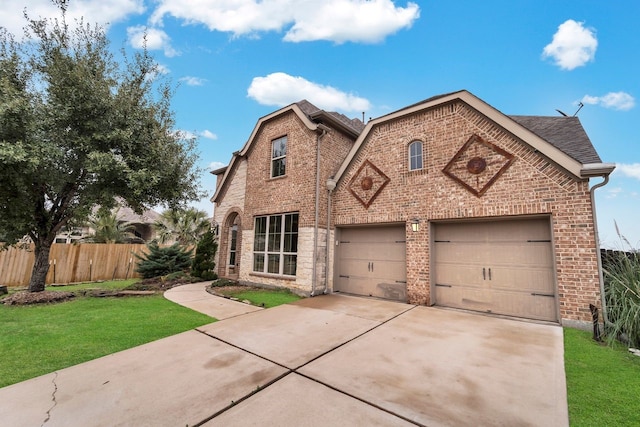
(446, 202)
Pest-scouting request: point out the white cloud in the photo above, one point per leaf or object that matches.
(156, 39)
(573, 45)
(93, 11)
(614, 100)
(339, 21)
(613, 192)
(346, 20)
(208, 134)
(192, 81)
(216, 165)
(631, 170)
(281, 89)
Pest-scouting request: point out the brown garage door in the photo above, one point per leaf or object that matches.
(371, 261)
(502, 267)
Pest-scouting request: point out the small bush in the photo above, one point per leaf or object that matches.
(162, 261)
(203, 263)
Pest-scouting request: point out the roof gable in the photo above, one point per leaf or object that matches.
(564, 142)
(300, 109)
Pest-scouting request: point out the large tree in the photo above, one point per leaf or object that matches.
(78, 129)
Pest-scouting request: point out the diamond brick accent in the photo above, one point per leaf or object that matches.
(477, 165)
(367, 183)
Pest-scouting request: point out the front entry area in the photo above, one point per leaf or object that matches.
(371, 261)
(502, 267)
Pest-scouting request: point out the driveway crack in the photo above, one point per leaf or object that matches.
(53, 398)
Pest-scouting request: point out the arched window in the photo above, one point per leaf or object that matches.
(415, 155)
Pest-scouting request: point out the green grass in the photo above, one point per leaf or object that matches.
(603, 383)
(36, 340)
(112, 285)
(266, 298)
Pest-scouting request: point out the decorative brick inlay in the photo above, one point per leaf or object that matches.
(477, 165)
(367, 183)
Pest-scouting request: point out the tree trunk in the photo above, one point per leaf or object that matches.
(40, 267)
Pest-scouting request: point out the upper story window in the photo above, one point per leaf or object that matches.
(415, 155)
(278, 156)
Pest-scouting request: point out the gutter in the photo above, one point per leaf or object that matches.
(603, 170)
(314, 279)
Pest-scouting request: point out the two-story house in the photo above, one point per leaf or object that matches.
(446, 202)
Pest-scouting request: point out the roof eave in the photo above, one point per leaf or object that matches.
(324, 116)
(591, 170)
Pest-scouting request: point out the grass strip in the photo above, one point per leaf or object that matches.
(266, 298)
(603, 383)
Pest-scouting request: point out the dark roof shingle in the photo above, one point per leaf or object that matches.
(564, 133)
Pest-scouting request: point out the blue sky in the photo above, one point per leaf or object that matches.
(238, 60)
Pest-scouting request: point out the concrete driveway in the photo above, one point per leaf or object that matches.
(323, 361)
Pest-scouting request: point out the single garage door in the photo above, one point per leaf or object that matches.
(372, 262)
(503, 267)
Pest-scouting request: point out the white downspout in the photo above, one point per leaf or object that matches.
(602, 170)
(603, 299)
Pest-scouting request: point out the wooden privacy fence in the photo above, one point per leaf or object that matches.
(73, 263)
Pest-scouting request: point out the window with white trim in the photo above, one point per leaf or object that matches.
(415, 155)
(275, 244)
(278, 157)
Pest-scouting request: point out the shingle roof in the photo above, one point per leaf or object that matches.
(311, 111)
(126, 214)
(565, 133)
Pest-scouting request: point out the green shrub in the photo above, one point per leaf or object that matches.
(162, 261)
(203, 263)
(622, 296)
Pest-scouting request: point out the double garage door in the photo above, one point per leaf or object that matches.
(501, 267)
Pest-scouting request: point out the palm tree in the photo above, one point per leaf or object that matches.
(108, 229)
(184, 226)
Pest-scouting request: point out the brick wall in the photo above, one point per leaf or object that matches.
(293, 192)
(530, 186)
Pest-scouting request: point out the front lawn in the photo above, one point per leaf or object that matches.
(603, 383)
(39, 339)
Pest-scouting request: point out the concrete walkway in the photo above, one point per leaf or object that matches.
(195, 297)
(323, 361)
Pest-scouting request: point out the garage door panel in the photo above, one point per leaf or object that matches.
(463, 297)
(452, 251)
(522, 279)
(518, 253)
(503, 267)
(522, 305)
(457, 275)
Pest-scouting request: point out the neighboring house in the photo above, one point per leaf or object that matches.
(446, 202)
(142, 226)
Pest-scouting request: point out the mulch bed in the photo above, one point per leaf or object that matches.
(44, 297)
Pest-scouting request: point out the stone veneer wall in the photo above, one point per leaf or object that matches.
(531, 186)
(232, 200)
